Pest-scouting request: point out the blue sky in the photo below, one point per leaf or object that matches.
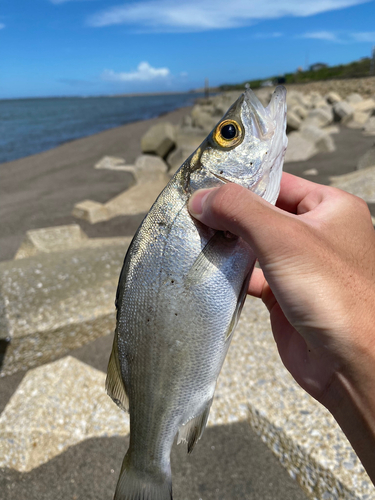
(93, 47)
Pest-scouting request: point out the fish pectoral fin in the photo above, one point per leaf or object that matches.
(192, 431)
(239, 306)
(210, 259)
(114, 384)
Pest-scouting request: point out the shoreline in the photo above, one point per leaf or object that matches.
(41, 190)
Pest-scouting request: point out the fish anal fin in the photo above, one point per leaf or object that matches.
(192, 431)
(114, 384)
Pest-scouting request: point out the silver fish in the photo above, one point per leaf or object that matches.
(180, 294)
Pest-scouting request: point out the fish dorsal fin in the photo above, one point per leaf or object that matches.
(192, 431)
(239, 306)
(114, 385)
(217, 249)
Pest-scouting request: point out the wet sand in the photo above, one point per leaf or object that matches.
(41, 190)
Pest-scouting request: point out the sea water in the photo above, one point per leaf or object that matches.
(30, 126)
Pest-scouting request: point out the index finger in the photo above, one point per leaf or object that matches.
(293, 190)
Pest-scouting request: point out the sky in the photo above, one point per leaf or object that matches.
(96, 47)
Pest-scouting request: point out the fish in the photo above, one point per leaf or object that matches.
(180, 294)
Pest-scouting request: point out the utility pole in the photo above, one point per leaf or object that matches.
(372, 62)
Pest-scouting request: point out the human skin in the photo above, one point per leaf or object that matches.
(316, 251)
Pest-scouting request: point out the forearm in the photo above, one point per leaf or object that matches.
(351, 400)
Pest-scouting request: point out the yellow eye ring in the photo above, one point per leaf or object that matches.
(228, 133)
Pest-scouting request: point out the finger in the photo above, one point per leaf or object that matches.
(293, 190)
(235, 209)
(257, 283)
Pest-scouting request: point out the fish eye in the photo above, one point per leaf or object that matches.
(228, 133)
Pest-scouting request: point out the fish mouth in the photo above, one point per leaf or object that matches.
(265, 121)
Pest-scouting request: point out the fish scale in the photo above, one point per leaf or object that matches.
(180, 294)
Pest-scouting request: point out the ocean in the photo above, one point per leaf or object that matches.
(30, 126)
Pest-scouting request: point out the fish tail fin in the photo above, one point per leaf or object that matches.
(134, 484)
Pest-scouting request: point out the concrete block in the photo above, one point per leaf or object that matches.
(343, 112)
(333, 97)
(50, 239)
(293, 121)
(369, 127)
(360, 183)
(367, 160)
(203, 118)
(366, 105)
(178, 156)
(300, 111)
(150, 168)
(159, 139)
(61, 238)
(54, 302)
(320, 117)
(322, 140)
(111, 163)
(136, 200)
(56, 406)
(359, 119)
(299, 148)
(89, 210)
(354, 98)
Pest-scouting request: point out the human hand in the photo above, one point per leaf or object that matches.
(316, 250)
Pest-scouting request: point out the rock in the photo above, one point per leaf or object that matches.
(89, 210)
(55, 302)
(299, 148)
(320, 117)
(360, 183)
(369, 128)
(333, 97)
(111, 163)
(354, 98)
(321, 139)
(368, 159)
(343, 112)
(293, 121)
(60, 238)
(159, 139)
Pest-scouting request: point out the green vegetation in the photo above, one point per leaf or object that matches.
(356, 69)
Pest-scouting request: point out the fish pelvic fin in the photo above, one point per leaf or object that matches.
(134, 484)
(193, 430)
(114, 385)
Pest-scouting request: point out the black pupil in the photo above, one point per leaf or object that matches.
(228, 131)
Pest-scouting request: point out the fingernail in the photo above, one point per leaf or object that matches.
(196, 202)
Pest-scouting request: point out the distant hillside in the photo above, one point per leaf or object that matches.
(356, 69)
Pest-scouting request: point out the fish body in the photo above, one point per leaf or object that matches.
(180, 294)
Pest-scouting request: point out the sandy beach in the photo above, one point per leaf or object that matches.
(41, 190)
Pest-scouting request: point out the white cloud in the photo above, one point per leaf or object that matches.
(341, 36)
(195, 15)
(144, 73)
(366, 36)
(57, 2)
(2, 26)
(321, 35)
(267, 35)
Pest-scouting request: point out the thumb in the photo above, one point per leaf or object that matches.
(243, 213)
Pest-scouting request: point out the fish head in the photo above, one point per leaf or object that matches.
(248, 145)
